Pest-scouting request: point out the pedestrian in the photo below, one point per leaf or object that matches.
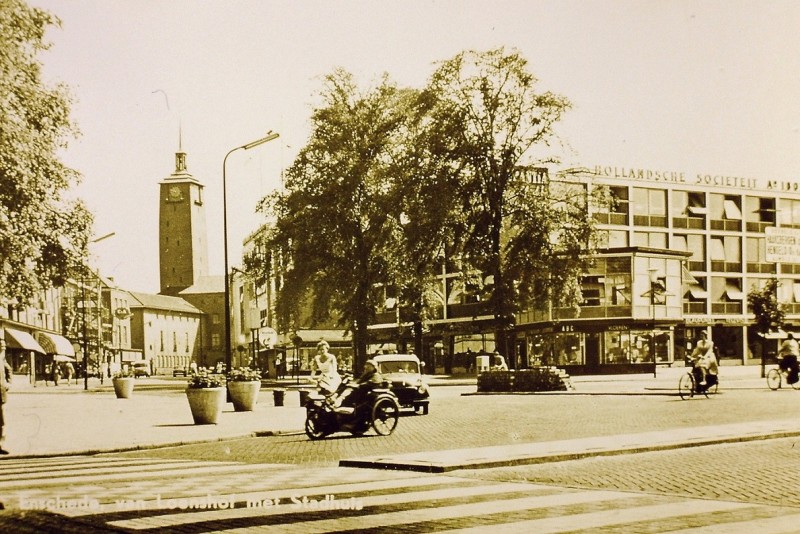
(278, 366)
(5, 383)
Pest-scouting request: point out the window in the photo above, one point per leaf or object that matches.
(694, 243)
(649, 207)
(726, 254)
(612, 238)
(161, 335)
(215, 341)
(759, 213)
(650, 239)
(789, 212)
(616, 211)
(726, 212)
(215, 318)
(174, 342)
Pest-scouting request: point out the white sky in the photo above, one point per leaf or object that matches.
(696, 86)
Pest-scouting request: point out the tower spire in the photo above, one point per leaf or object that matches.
(180, 155)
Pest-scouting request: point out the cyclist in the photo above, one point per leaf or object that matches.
(704, 359)
(788, 354)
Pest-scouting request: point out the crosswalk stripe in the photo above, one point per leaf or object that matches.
(593, 520)
(441, 512)
(787, 524)
(145, 494)
(286, 507)
(114, 473)
(46, 472)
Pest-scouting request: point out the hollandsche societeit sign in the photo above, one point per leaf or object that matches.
(783, 245)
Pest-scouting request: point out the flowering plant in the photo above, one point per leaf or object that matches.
(244, 374)
(204, 380)
(125, 372)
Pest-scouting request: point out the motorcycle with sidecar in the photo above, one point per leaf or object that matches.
(379, 410)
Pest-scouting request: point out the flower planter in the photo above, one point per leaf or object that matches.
(244, 395)
(206, 404)
(123, 387)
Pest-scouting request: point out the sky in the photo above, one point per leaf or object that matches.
(707, 87)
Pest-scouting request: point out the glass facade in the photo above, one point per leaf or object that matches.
(706, 241)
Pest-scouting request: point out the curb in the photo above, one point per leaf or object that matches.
(428, 467)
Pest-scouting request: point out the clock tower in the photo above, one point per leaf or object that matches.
(182, 246)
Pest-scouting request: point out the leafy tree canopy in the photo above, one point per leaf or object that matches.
(41, 233)
(770, 314)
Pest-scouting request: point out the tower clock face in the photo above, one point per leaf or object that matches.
(175, 193)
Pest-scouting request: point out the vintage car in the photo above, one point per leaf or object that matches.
(404, 371)
(141, 369)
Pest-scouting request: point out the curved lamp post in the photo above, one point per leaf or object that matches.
(269, 137)
(83, 310)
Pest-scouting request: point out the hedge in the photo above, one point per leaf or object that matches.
(536, 379)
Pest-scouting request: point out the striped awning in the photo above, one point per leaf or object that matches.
(55, 344)
(18, 339)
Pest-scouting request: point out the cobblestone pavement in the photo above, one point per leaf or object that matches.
(764, 472)
(115, 494)
(477, 421)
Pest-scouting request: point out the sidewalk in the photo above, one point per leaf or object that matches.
(66, 419)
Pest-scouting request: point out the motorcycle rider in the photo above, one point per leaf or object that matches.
(356, 392)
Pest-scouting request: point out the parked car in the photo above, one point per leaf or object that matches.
(404, 371)
(141, 369)
(180, 371)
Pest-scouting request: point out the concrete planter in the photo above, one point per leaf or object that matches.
(206, 404)
(123, 387)
(244, 395)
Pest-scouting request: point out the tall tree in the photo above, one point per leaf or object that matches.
(526, 243)
(42, 234)
(334, 220)
(769, 313)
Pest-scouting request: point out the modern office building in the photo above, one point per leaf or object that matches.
(679, 253)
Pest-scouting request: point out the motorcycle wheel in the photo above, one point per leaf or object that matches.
(312, 430)
(385, 413)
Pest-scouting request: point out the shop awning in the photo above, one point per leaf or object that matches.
(55, 344)
(18, 339)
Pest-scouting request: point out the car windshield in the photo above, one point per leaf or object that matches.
(399, 367)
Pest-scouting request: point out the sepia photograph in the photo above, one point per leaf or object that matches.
(427, 266)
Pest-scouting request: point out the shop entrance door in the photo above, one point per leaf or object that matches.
(592, 350)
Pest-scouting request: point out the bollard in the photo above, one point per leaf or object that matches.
(304, 394)
(277, 395)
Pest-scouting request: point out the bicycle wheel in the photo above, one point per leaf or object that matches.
(774, 379)
(385, 413)
(686, 386)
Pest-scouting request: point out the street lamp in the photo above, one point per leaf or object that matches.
(269, 137)
(83, 310)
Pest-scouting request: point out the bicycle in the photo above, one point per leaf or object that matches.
(689, 384)
(775, 378)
